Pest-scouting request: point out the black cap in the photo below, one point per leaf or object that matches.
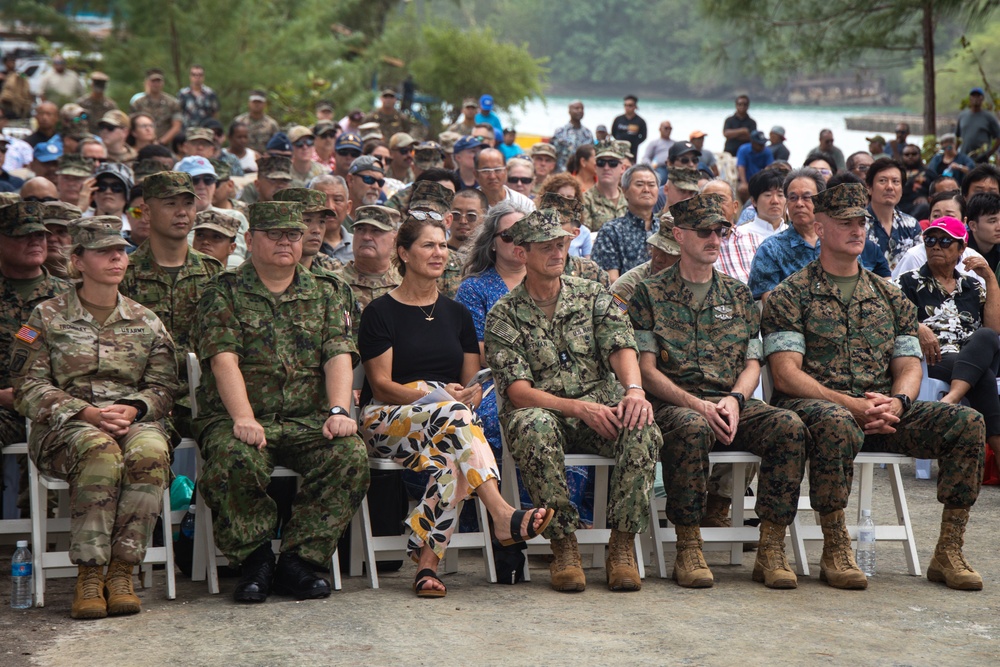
(680, 148)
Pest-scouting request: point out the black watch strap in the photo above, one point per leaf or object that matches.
(740, 398)
(905, 400)
(337, 410)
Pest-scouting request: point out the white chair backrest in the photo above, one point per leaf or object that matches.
(194, 381)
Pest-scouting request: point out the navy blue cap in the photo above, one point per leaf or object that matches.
(468, 142)
(977, 91)
(279, 142)
(348, 140)
(758, 137)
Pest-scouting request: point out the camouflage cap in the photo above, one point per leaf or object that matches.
(167, 184)
(684, 179)
(428, 154)
(845, 201)
(608, 148)
(223, 171)
(542, 148)
(570, 209)
(313, 201)
(9, 198)
(275, 167)
(101, 231)
(75, 164)
(227, 225)
(430, 192)
(537, 227)
(448, 140)
(664, 236)
(625, 148)
(379, 217)
(60, 213)
(200, 134)
(22, 218)
(276, 215)
(703, 211)
(145, 168)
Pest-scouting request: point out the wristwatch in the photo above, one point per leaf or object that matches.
(337, 410)
(905, 400)
(740, 398)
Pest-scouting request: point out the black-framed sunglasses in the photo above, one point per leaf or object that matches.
(404, 150)
(520, 180)
(349, 152)
(304, 143)
(111, 186)
(426, 215)
(371, 180)
(720, 231)
(687, 160)
(41, 200)
(329, 135)
(608, 162)
(944, 241)
(204, 179)
(504, 236)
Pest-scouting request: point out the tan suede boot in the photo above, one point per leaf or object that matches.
(716, 512)
(121, 596)
(620, 565)
(948, 565)
(837, 567)
(771, 566)
(88, 600)
(567, 568)
(690, 568)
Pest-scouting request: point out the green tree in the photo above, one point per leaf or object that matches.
(970, 63)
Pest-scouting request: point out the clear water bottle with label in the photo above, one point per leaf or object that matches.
(20, 577)
(866, 544)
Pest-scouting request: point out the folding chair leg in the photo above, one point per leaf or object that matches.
(484, 526)
(659, 536)
(366, 535)
(798, 548)
(335, 570)
(903, 516)
(865, 490)
(168, 546)
(39, 530)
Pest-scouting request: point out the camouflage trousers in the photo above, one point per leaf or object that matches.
(720, 482)
(538, 440)
(115, 486)
(953, 434)
(778, 437)
(334, 479)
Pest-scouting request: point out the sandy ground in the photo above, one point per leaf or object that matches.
(899, 620)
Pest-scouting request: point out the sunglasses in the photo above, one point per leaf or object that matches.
(111, 186)
(471, 216)
(347, 152)
(943, 241)
(608, 162)
(404, 150)
(304, 143)
(371, 180)
(721, 232)
(204, 179)
(522, 180)
(504, 236)
(42, 200)
(292, 235)
(910, 154)
(689, 161)
(426, 215)
(328, 135)
(134, 211)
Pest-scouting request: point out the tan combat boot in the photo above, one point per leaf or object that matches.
(716, 512)
(837, 567)
(88, 600)
(948, 564)
(121, 596)
(566, 567)
(771, 566)
(690, 568)
(620, 565)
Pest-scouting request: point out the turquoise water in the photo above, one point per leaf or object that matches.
(802, 123)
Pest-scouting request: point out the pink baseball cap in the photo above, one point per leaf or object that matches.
(953, 227)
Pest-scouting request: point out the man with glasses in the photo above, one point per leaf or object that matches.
(326, 132)
(621, 245)
(371, 273)
(570, 136)
(198, 102)
(658, 150)
(521, 176)
(365, 179)
(491, 173)
(468, 210)
(826, 146)
(272, 309)
(260, 126)
(859, 163)
(682, 155)
(347, 149)
(700, 353)
(205, 181)
(401, 166)
(304, 167)
(605, 201)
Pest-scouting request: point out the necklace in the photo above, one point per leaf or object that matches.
(429, 316)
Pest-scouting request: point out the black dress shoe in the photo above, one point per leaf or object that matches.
(297, 578)
(258, 571)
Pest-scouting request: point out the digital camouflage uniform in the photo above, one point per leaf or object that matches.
(96, 108)
(583, 267)
(164, 111)
(703, 350)
(389, 123)
(283, 344)
(568, 357)
(625, 286)
(65, 361)
(259, 131)
(368, 287)
(848, 349)
(598, 209)
(450, 280)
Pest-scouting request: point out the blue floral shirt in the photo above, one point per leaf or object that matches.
(905, 234)
(621, 245)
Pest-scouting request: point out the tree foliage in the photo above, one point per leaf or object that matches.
(973, 61)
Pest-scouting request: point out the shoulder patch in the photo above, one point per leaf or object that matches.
(504, 331)
(29, 336)
(620, 303)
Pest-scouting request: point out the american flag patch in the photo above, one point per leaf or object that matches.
(27, 334)
(620, 303)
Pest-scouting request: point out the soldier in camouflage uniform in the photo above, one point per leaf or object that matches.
(215, 234)
(164, 109)
(665, 253)
(390, 120)
(273, 174)
(698, 336)
(24, 283)
(599, 207)
(570, 212)
(370, 274)
(565, 362)
(95, 372)
(168, 276)
(844, 353)
(430, 197)
(260, 126)
(313, 213)
(277, 354)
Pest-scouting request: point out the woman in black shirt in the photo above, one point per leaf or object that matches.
(419, 350)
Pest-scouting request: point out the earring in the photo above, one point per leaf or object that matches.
(493, 249)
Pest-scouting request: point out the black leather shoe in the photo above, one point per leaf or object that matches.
(258, 571)
(297, 578)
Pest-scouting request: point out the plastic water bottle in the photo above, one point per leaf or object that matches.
(20, 577)
(187, 523)
(866, 544)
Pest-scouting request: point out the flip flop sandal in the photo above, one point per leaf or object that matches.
(515, 525)
(420, 582)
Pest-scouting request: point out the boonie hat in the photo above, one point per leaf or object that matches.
(100, 231)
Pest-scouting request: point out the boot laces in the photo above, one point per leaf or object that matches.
(566, 557)
(693, 559)
(119, 580)
(621, 553)
(92, 581)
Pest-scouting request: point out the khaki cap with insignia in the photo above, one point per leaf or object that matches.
(379, 217)
(430, 192)
(115, 118)
(684, 179)
(100, 231)
(843, 202)
(60, 213)
(542, 148)
(608, 148)
(703, 211)
(276, 215)
(167, 184)
(201, 134)
(275, 167)
(22, 218)
(537, 227)
(664, 236)
(75, 164)
(313, 201)
(227, 225)
(570, 209)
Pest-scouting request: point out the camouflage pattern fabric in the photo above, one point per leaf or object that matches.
(625, 286)
(163, 111)
(702, 211)
(260, 131)
(71, 363)
(598, 209)
(538, 226)
(283, 344)
(15, 311)
(450, 280)
(324, 264)
(588, 269)
(163, 184)
(367, 287)
(96, 108)
(389, 123)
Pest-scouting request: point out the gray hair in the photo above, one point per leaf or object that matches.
(804, 172)
(482, 253)
(327, 179)
(630, 172)
(732, 190)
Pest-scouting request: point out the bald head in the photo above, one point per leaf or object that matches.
(40, 188)
(47, 115)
